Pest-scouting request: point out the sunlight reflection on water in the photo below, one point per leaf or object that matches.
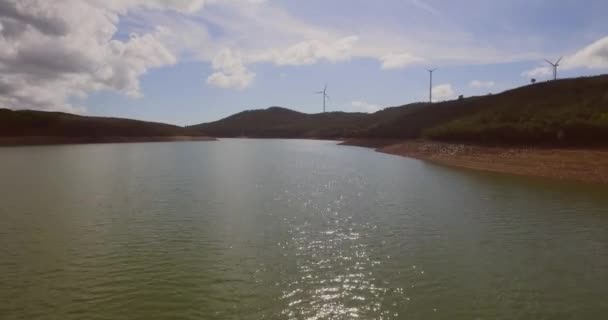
(335, 276)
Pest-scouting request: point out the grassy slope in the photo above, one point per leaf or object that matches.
(279, 122)
(570, 111)
(55, 124)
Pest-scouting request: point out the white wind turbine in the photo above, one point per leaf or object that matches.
(325, 96)
(431, 84)
(555, 66)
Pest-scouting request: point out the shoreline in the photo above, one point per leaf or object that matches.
(574, 164)
(58, 140)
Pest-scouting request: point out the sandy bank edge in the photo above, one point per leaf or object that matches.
(585, 165)
(51, 140)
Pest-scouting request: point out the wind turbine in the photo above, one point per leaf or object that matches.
(431, 84)
(554, 65)
(325, 96)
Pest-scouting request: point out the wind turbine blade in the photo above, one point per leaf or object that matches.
(549, 62)
(558, 61)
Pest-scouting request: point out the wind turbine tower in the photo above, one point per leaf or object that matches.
(431, 84)
(325, 96)
(555, 66)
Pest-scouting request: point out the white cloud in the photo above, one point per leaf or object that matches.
(311, 51)
(398, 61)
(49, 53)
(231, 80)
(362, 106)
(478, 84)
(184, 6)
(443, 92)
(594, 56)
(538, 72)
(270, 34)
(231, 72)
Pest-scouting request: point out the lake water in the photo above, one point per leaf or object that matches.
(274, 229)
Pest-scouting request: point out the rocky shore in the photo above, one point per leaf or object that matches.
(588, 165)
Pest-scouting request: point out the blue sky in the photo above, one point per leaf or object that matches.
(187, 62)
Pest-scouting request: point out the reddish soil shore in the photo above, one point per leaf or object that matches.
(47, 140)
(589, 165)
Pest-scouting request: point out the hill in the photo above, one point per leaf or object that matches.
(564, 112)
(38, 127)
(277, 122)
(569, 112)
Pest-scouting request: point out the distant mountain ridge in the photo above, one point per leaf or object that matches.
(278, 122)
(568, 112)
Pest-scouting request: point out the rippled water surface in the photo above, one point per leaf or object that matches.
(246, 229)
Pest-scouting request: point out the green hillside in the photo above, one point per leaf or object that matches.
(569, 111)
(276, 122)
(27, 123)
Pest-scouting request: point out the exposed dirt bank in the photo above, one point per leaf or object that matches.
(589, 165)
(48, 140)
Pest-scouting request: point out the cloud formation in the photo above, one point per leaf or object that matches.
(538, 72)
(231, 72)
(49, 53)
(398, 61)
(592, 57)
(443, 92)
(479, 84)
(312, 51)
(366, 107)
